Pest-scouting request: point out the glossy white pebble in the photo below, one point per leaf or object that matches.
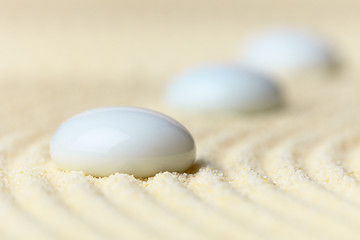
(129, 140)
(288, 53)
(222, 87)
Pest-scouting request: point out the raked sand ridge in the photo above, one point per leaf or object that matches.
(293, 172)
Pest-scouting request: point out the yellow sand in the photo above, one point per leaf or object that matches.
(287, 174)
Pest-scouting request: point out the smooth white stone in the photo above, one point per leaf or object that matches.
(288, 54)
(222, 87)
(129, 140)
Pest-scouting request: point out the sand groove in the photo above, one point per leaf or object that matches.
(293, 172)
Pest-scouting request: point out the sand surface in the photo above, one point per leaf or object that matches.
(287, 174)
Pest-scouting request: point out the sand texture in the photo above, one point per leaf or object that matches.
(293, 173)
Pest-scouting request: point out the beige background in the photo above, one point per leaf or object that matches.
(288, 174)
(108, 39)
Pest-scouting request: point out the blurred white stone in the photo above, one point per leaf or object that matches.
(289, 54)
(222, 87)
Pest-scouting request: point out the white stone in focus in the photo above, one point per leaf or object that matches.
(129, 140)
